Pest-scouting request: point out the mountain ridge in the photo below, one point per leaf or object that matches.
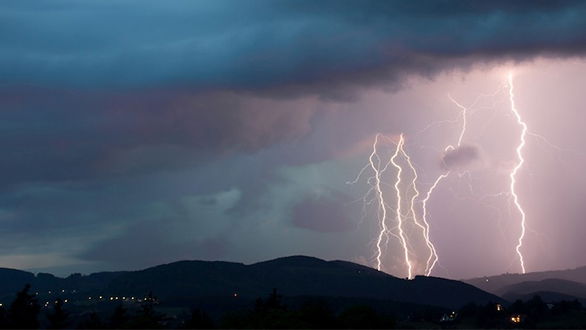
(495, 284)
(190, 281)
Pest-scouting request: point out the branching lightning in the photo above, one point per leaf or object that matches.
(375, 163)
(464, 121)
(410, 207)
(399, 216)
(513, 174)
(382, 212)
(425, 226)
(433, 257)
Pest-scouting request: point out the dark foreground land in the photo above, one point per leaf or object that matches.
(292, 292)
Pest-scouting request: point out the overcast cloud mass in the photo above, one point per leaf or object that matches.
(141, 132)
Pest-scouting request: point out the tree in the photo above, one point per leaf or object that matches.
(119, 318)
(316, 314)
(24, 310)
(199, 320)
(147, 317)
(364, 317)
(490, 316)
(58, 317)
(91, 321)
(536, 308)
(3, 320)
(518, 307)
(268, 313)
(272, 302)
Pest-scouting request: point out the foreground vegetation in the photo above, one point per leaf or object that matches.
(25, 313)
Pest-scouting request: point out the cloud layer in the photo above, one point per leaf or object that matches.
(460, 158)
(285, 46)
(221, 121)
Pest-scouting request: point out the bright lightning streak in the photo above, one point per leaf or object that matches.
(381, 199)
(398, 231)
(425, 226)
(513, 174)
(376, 182)
(398, 209)
(433, 257)
(464, 120)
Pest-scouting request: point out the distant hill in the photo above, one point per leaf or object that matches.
(549, 290)
(294, 276)
(546, 296)
(12, 278)
(496, 284)
(551, 285)
(187, 282)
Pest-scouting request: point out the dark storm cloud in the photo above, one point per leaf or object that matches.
(105, 88)
(461, 157)
(141, 246)
(84, 135)
(110, 109)
(325, 214)
(267, 44)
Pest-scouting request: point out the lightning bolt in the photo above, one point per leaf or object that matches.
(433, 257)
(375, 163)
(464, 121)
(425, 226)
(513, 174)
(399, 216)
(376, 193)
(382, 214)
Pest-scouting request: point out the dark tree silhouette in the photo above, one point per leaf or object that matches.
(24, 310)
(364, 317)
(147, 317)
(316, 314)
(489, 316)
(119, 318)
(518, 307)
(268, 313)
(565, 306)
(198, 320)
(3, 320)
(91, 321)
(58, 317)
(272, 302)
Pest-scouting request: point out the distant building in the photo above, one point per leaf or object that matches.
(449, 318)
(517, 318)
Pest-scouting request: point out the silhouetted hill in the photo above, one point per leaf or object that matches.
(47, 284)
(293, 276)
(497, 284)
(546, 296)
(12, 278)
(550, 290)
(553, 285)
(186, 283)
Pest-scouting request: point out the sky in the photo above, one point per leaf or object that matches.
(136, 133)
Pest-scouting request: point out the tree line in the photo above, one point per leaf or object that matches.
(271, 313)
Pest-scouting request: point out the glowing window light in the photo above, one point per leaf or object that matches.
(516, 318)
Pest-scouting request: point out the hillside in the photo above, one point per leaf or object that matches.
(185, 283)
(293, 276)
(549, 290)
(498, 284)
(552, 285)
